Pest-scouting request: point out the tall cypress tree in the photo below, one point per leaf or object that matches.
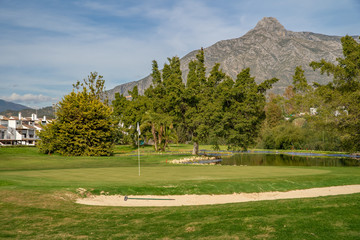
(165, 103)
(194, 118)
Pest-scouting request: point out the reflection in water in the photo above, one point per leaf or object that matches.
(287, 160)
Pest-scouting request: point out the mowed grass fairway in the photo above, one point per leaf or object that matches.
(37, 194)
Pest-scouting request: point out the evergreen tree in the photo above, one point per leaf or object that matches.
(244, 110)
(165, 103)
(129, 112)
(159, 110)
(342, 94)
(346, 74)
(83, 125)
(212, 109)
(299, 81)
(273, 112)
(194, 117)
(300, 100)
(212, 112)
(219, 109)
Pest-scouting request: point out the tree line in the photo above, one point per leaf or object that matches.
(213, 109)
(334, 123)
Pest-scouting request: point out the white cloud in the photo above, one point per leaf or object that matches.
(28, 98)
(45, 49)
(115, 9)
(189, 25)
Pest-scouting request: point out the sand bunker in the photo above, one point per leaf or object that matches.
(188, 200)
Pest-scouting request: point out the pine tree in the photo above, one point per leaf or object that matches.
(346, 74)
(299, 81)
(165, 103)
(219, 109)
(343, 93)
(194, 118)
(244, 110)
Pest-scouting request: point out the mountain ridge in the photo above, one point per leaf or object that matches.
(269, 50)
(6, 105)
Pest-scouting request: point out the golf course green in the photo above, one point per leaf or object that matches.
(38, 193)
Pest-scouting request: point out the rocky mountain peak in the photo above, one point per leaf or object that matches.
(269, 24)
(269, 50)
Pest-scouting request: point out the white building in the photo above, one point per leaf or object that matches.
(313, 111)
(20, 130)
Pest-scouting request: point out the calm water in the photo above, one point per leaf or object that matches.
(288, 160)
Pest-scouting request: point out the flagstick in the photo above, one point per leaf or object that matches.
(139, 153)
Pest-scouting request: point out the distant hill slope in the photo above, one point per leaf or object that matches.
(46, 111)
(5, 105)
(269, 50)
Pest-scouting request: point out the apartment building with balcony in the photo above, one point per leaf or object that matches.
(20, 130)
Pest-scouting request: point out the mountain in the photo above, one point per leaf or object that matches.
(269, 50)
(5, 105)
(45, 111)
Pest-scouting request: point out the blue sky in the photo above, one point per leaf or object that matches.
(47, 45)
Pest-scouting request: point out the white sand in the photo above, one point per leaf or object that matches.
(186, 200)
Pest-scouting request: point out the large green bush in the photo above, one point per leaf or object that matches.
(289, 136)
(83, 125)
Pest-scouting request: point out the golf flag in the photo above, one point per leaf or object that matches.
(138, 128)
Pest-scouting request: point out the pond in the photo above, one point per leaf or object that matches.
(254, 159)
